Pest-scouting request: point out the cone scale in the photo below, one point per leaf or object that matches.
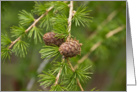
(70, 48)
(50, 39)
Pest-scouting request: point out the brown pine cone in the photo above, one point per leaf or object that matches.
(70, 48)
(50, 39)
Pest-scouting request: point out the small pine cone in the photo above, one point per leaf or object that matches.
(70, 48)
(50, 39)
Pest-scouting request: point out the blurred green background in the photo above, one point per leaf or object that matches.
(109, 59)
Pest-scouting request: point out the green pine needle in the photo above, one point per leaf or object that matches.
(65, 69)
(60, 26)
(5, 40)
(71, 82)
(83, 73)
(58, 88)
(49, 51)
(58, 66)
(37, 34)
(46, 22)
(60, 19)
(17, 31)
(25, 18)
(5, 53)
(41, 7)
(20, 48)
(60, 7)
(46, 79)
(82, 16)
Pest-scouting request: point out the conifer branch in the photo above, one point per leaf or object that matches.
(31, 82)
(31, 26)
(95, 46)
(72, 68)
(68, 38)
(69, 28)
(70, 19)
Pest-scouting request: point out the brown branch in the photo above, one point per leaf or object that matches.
(70, 65)
(79, 84)
(72, 68)
(32, 25)
(70, 18)
(13, 42)
(59, 73)
(95, 46)
(57, 77)
(114, 31)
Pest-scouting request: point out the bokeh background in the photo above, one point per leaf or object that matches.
(108, 60)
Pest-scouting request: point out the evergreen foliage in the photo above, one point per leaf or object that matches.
(25, 18)
(46, 22)
(47, 79)
(56, 20)
(68, 77)
(5, 40)
(60, 26)
(40, 7)
(17, 31)
(36, 33)
(20, 48)
(81, 17)
(58, 88)
(82, 73)
(5, 53)
(49, 51)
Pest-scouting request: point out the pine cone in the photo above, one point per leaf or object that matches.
(50, 39)
(70, 48)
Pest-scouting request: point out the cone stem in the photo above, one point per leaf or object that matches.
(70, 18)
